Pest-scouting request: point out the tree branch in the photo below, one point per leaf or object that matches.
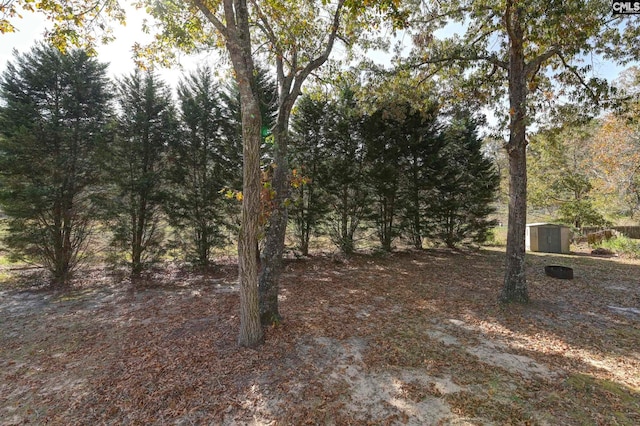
(211, 17)
(266, 28)
(317, 62)
(532, 68)
(583, 83)
(450, 13)
(493, 59)
(508, 24)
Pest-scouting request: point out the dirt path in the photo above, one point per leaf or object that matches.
(411, 338)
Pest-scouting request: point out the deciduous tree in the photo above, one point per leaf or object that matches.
(561, 173)
(201, 23)
(517, 46)
(297, 37)
(75, 22)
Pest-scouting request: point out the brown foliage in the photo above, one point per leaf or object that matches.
(409, 338)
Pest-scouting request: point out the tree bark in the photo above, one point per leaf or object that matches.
(238, 41)
(137, 244)
(291, 74)
(416, 236)
(251, 334)
(274, 243)
(515, 283)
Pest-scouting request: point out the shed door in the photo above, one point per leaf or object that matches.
(549, 240)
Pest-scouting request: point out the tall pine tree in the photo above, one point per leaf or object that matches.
(350, 196)
(146, 124)
(56, 107)
(420, 143)
(382, 133)
(465, 189)
(203, 161)
(309, 156)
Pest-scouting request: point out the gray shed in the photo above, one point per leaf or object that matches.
(548, 238)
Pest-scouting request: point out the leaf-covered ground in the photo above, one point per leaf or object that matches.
(412, 338)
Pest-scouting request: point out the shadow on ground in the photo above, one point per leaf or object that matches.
(414, 337)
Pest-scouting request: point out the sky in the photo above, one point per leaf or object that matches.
(119, 54)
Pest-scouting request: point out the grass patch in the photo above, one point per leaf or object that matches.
(607, 388)
(622, 245)
(497, 237)
(615, 402)
(5, 260)
(474, 405)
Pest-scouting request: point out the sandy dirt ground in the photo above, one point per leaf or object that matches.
(414, 337)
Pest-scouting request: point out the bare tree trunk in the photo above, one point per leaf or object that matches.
(415, 201)
(291, 74)
(250, 329)
(515, 283)
(274, 244)
(137, 246)
(238, 40)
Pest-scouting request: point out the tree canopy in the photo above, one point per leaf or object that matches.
(511, 52)
(517, 49)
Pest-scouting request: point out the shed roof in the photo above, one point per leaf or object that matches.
(559, 225)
